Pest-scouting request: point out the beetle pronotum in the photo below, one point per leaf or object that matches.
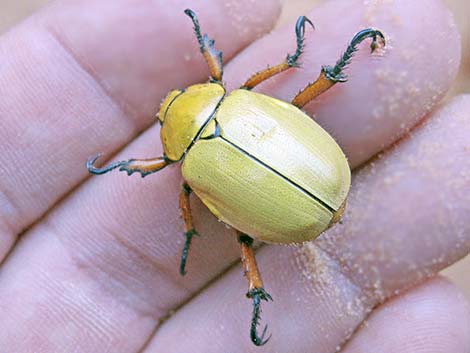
(229, 148)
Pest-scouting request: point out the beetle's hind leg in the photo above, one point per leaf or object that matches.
(256, 289)
(185, 207)
(291, 59)
(330, 75)
(212, 56)
(142, 166)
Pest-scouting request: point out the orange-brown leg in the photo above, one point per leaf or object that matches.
(256, 289)
(331, 75)
(142, 166)
(291, 60)
(188, 222)
(212, 56)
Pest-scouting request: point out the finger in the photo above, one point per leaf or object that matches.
(407, 219)
(124, 236)
(431, 318)
(385, 94)
(83, 77)
(420, 224)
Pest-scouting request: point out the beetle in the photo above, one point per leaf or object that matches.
(260, 165)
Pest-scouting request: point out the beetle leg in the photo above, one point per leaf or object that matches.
(142, 166)
(330, 75)
(255, 287)
(188, 221)
(213, 56)
(291, 60)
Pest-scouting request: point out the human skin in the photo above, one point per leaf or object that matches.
(96, 268)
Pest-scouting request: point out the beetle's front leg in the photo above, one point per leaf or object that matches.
(256, 289)
(212, 56)
(188, 222)
(142, 166)
(291, 60)
(330, 75)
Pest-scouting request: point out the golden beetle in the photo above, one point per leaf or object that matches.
(233, 155)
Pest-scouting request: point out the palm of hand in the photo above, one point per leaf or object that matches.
(103, 262)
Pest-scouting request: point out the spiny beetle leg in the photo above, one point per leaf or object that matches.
(291, 60)
(185, 207)
(330, 75)
(257, 295)
(142, 166)
(212, 56)
(256, 289)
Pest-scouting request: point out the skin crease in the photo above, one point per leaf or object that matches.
(100, 271)
(435, 298)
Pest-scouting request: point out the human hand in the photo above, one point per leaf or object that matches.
(96, 269)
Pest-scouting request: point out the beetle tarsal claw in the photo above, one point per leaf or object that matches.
(257, 295)
(375, 41)
(300, 34)
(90, 164)
(184, 256)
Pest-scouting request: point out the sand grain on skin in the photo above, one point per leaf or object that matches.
(405, 217)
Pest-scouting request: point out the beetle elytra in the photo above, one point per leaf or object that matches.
(261, 165)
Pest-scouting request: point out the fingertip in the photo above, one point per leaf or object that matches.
(388, 92)
(138, 53)
(432, 317)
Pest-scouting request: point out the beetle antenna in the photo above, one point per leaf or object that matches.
(257, 295)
